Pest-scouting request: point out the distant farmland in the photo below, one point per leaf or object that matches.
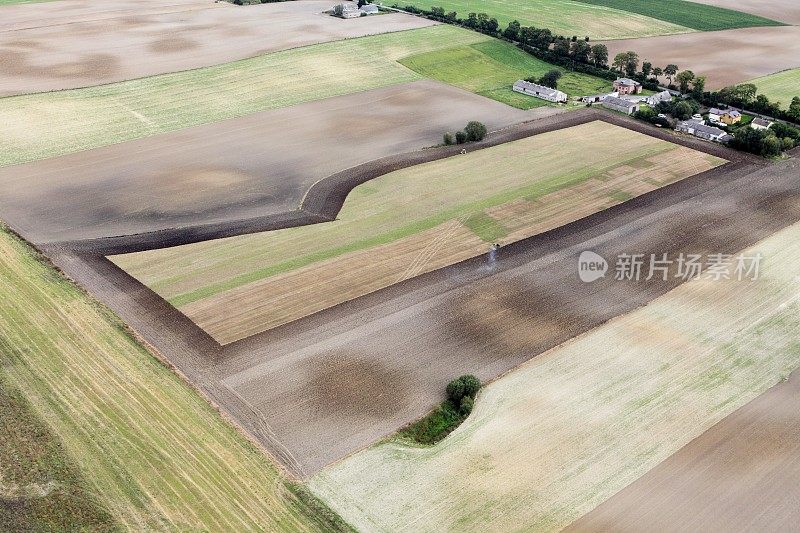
(564, 17)
(399, 225)
(564, 432)
(780, 87)
(692, 15)
(50, 124)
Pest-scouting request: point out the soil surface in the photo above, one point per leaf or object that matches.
(252, 166)
(77, 43)
(325, 386)
(737, 476)
(723, 57)
(781, 10)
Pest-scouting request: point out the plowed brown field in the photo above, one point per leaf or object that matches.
(73, 43)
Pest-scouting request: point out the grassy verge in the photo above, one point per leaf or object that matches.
(435, 426)
(156, 454)
(699, 17)
(40, 487)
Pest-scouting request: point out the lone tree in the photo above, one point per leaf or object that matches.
(600, 55)
(475, 131)
(684, 78)
(670, 71)
(550, 79)
(448, 138)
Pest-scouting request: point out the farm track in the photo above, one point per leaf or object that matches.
(446, 322)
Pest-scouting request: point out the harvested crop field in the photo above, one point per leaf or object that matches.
(46, 125)
(409, 222)
(247, 167)
(689, 14)
(150, 452)
(59, 46)
(739, 475)
(551, 440)
(365, 368)
(781, 87)
(787, 11)
(563, 17)
(724, 57)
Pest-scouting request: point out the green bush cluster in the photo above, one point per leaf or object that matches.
(473, 131)
(449, 415)
(461, 392)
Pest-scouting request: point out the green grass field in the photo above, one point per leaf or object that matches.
(780, 87)
(563, 17)
(120, 426)
(692, 15)
(40, 488)
(490, 68)
(554, 438)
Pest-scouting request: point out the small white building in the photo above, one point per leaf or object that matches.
(698, 129)
(761, 124)
(347, 10)
(595, 98)
(540, 91)
(369, 9)
(655, 99)
(621, 105)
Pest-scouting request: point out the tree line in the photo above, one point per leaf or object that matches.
(580, 55)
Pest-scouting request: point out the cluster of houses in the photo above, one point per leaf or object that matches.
(627, 98)
(350, 10)
(697, 126)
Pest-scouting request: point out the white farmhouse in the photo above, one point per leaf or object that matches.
(655, 99)
(761, 124)
(346, 10)
(595, 98)
(540, 91)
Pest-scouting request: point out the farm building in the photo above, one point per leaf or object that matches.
(725, 116)
(618, 104)
(761, 124)
(655, 99)
(595, 98)
(698, 129)
(540, 91)
(346, 10)
(627, 86)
